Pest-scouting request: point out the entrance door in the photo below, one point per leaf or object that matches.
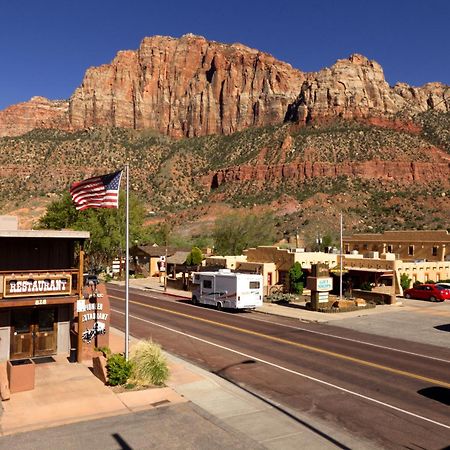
(21, 334)
(33, 332)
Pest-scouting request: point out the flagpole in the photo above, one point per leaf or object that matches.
(127, 262)
(341, 265)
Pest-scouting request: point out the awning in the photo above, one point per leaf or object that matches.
(362, 269)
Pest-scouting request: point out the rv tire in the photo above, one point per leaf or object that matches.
(219, 306)
(194, 300)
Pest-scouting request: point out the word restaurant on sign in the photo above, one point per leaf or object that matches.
(37, 286)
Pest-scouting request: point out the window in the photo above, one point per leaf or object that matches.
(390, 248)
(365, 246)
(434, 250)
(207, 284)
(411, 250)
(254, 284)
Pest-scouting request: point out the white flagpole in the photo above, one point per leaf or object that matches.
(127, 262)
(341, 265)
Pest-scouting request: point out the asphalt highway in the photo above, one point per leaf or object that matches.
(391, 392)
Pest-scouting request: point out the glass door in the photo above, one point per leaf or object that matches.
(21, 333)
(33, 332)
(45, 332)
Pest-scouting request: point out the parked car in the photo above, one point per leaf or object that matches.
(432, 292)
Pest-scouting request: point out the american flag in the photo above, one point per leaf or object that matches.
(97, 192)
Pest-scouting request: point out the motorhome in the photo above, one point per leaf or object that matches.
(225, 289)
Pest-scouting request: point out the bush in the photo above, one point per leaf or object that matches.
(366, 286)
(405, 281)
(105, 350)
(149, 364)
(295, 277)
(119, 369)
(108, 278)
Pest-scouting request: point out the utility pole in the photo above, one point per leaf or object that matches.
(165, 273)
(341, 263)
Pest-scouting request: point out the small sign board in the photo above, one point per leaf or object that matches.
(324, 284)
(319, 284)
(36, 285)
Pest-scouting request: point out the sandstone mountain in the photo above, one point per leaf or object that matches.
(193, 87)
(206, 124)
(179, 87)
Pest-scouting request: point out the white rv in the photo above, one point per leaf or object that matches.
(224, 289)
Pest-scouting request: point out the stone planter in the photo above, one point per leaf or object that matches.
(21, 375)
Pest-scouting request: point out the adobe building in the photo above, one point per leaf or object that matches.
(41, 281)
(147, 259)
(384, 271)
(406, 245)
(273, 263)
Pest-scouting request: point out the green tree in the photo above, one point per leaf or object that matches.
(235, 232)
(60, 214)
(105, 225)
(295, 277)
(405, 281)
(194, 258)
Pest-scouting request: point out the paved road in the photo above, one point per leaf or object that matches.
(371, 387)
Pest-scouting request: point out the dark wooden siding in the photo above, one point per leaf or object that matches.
(36, 254)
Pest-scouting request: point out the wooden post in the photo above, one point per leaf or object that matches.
(80, 272)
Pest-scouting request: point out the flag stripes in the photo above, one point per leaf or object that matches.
(97, 192)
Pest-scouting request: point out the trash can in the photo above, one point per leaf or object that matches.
(21, 373)
(73, 355)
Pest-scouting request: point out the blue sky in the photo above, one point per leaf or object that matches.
(46, 46)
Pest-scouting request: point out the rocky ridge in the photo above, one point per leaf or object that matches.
(194, 87)
(179, 87)
(356, 88)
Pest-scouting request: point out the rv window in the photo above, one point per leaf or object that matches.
(207, 284)
(254, 284)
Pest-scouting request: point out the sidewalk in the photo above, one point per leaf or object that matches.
(67, 393)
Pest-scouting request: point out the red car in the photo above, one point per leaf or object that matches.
(432, 292)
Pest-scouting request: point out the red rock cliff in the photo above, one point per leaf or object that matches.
(186, 87)
(39, 112)
(399, 171)
(356, 88)
(192, 87)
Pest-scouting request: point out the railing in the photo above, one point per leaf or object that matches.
(15, 284)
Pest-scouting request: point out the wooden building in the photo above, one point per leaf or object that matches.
(41, 280)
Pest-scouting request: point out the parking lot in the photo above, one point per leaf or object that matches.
(414, 320)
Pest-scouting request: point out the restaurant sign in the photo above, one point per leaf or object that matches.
(31, 285)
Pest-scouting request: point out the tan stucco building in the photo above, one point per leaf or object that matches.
(406, 245)
(272, 262)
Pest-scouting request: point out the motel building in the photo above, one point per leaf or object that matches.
(41, 280)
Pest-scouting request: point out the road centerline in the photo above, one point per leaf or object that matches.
(294, 372)
(296, 344)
